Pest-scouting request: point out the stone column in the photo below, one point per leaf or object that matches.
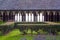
(8, 14)
(20, 16)
(53, 15)
(41, 16)
(16, 17)
(27, 17)
(48, 12)
(32, 17)
(2, 12)
(37, 16)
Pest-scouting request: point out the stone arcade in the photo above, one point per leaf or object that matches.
(30, 16)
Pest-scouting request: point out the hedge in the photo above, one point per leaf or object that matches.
(36, 29)
(30, 23)
(6, 28)
(51, 29)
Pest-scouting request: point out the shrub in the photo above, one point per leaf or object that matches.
(1, 33)
(53, 29)
(6, 28)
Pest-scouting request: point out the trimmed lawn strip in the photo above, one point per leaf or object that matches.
(31, 23)
(15, 35)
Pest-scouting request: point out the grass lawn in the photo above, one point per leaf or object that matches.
(31, 23)
(15, 35)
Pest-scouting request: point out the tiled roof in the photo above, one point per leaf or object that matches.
(29, 4)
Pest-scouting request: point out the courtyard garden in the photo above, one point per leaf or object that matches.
(29, 31)
(16, 35)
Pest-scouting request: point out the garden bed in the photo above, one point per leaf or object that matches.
(34, 29)
(36, 23)
(50, 29)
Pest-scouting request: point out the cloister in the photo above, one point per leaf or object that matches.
(30, 16)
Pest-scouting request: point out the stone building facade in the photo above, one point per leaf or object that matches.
(30, 16)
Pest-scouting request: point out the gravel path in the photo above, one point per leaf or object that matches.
(8, 23)
(41, 37)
